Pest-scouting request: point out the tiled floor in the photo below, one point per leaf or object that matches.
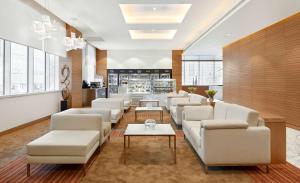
(293, 146)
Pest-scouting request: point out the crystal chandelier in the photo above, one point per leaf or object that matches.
(73, 43)
(44, 27)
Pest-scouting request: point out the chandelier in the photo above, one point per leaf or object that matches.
(44, 27)
(73, 43)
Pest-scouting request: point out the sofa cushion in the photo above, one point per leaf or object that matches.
(237, 112)
(115, 114)
(64, 143)
(197, 113)
(194, 98)
(220, 110)
(195, 134)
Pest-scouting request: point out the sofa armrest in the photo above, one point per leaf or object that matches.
(189, 104)
(223, 124)
(236, 146)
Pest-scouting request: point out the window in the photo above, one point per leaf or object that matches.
(39, 69)
(52, 65)
(18, 69)
(202, 73)
(1, 66)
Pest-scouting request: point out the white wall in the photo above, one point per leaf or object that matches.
(16, 17)
(16, 111)
(139, 59)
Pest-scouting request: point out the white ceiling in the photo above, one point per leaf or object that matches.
(253, 16)
(103, 20)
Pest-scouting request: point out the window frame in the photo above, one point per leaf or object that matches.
(199, 61)
(7, 71)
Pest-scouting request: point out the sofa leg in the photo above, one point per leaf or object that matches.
(109, 138)
(206, 169)
(28, 170)
(84, 169)
(267, 169)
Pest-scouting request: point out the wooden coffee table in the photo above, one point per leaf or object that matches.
(149, 109)
(140, 130)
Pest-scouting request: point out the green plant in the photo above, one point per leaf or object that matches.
(211, 93)
(192, 89)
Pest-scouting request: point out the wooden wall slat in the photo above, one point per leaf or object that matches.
(262, 70)
(101, 64)
(177, 67)
(76, 59)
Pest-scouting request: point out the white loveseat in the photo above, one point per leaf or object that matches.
(124, 96)
(177, 105)
(74, 136)
(228, 135)
(116, 106)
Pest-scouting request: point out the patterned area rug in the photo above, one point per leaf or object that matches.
(108, 167)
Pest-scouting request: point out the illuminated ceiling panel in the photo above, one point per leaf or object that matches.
(154, 13)
(152, 34)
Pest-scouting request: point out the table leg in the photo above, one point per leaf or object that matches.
(162, 116)
(124, 149)
(128, 141)
(175, 149)
(135, 116)
(169, 141)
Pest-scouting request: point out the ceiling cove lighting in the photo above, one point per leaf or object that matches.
(154, 13)
(152, 34)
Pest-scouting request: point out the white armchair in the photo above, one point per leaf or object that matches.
(228, 135)
(177, 105)
(116, 106)
(124, 96)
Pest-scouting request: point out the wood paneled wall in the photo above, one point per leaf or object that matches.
(76, 58)
(262, 70)
(200, 90)
(177, 67)
(101, 64)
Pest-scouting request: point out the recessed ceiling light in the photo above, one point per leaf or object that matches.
(152, 34)
(228, 34)
(154, 13)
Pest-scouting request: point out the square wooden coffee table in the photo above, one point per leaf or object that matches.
(149, 109)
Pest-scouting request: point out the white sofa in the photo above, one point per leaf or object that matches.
(74, 136)
(170, 96)
(177, 105)
(125, 96)
(228, 135)
(116, 106)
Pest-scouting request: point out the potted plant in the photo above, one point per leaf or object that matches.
(211, 94)
(192, 89)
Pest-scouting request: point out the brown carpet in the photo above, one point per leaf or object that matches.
(149, 160)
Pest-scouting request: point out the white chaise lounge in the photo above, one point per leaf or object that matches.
(74, 136)
(228, 135)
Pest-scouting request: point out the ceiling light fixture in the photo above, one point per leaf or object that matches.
(73, 43)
